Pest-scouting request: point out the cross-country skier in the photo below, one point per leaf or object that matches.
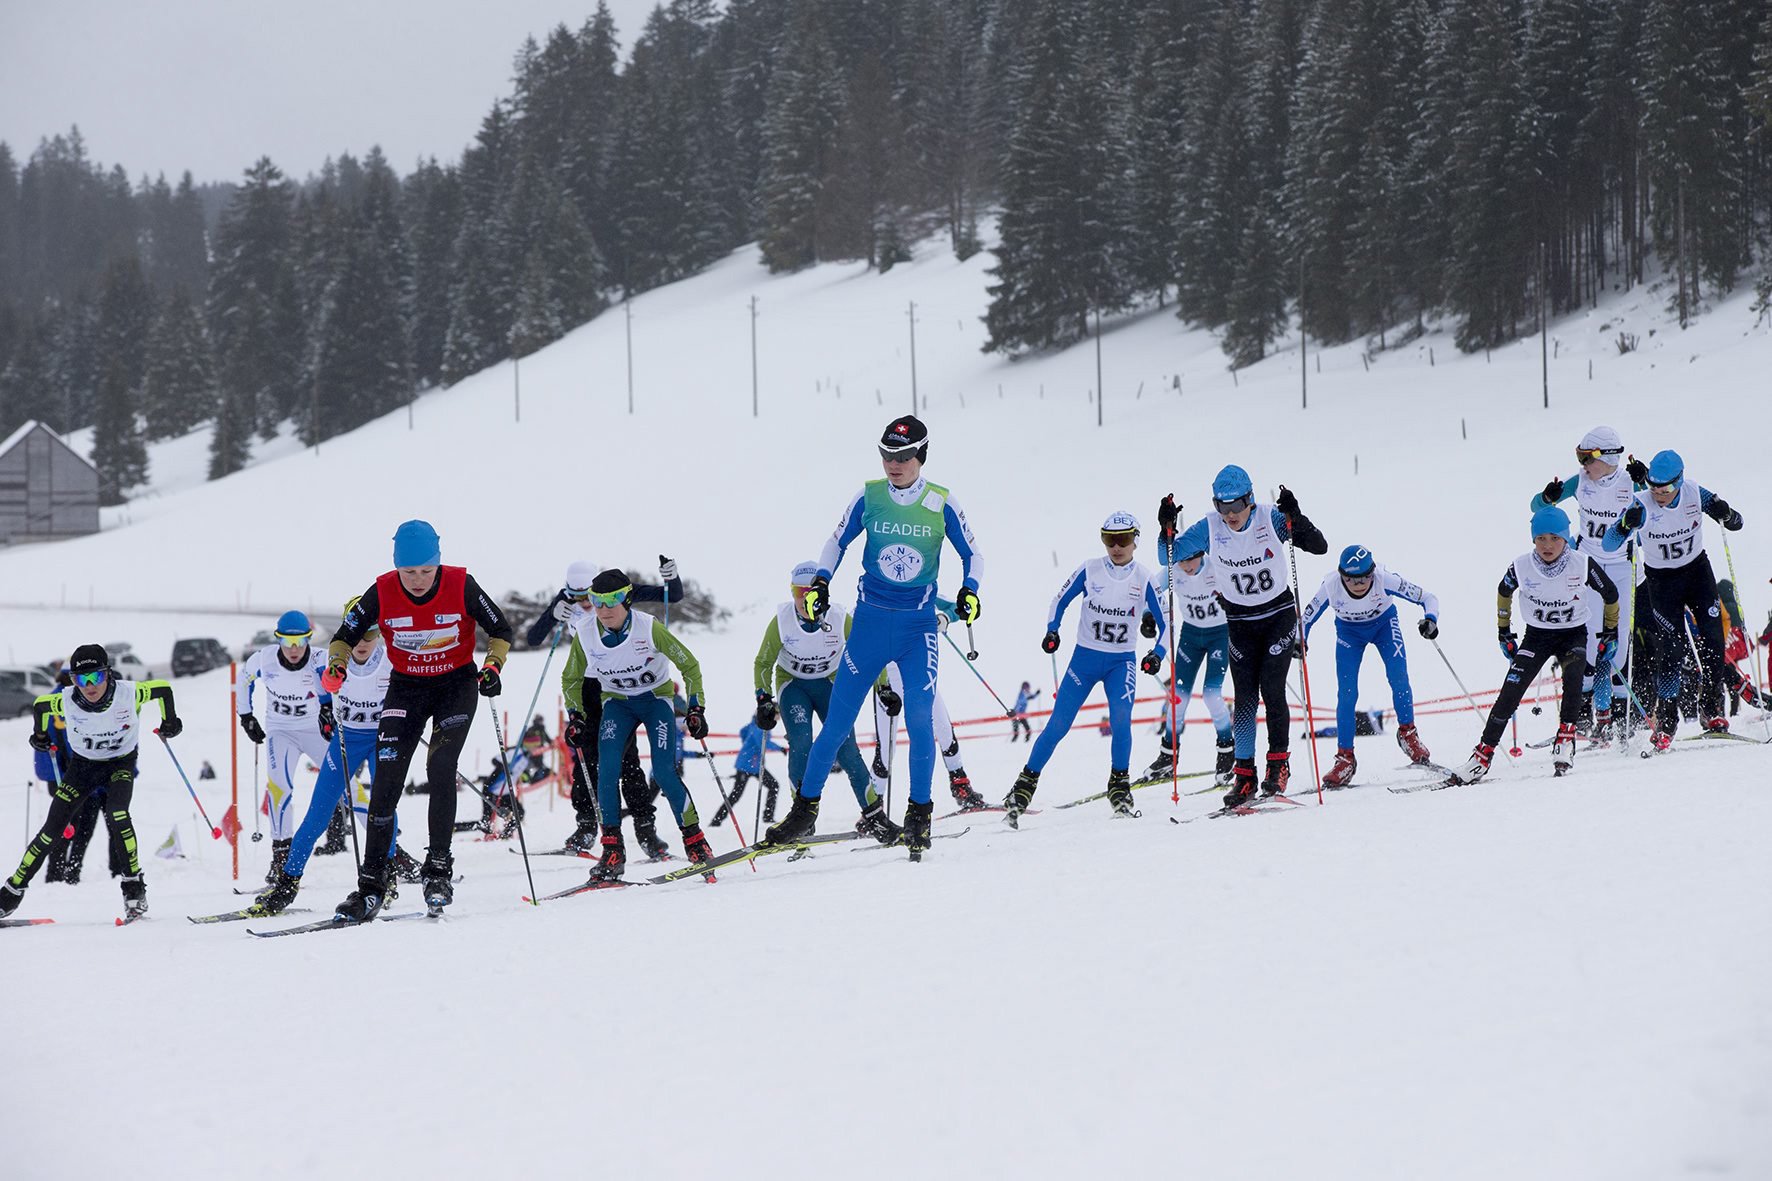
(103, 735)
(906, 518)
(429, 615)
(1669, 521)
(752, 743)
(298, 721)
(1246, 542)
(1737, 648)
(629, 654)
(1603, 488)
(797, 661)
(569, 602)
(1202, 649)
(1018, 714)
(1115, 589)
(1361, 594)
(1551, 579)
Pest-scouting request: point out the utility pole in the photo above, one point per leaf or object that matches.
(1304, 381)
(1543, 328)
(753, 356)
(1100, 393)
(516, 388)
(627, 307)
(911, 314)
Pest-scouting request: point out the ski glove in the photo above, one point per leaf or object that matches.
(966, 605)
(333, 679)
(1720, 512)
(695, 720)
(170, 728)
(1147, 627)
(1429, 628)
(890, 701)
(1510, 644)
(667, 568)
(1287, 503)
(1637, 470)
(39, 741)
(253, 730)
(562, 611)
(1152, 662)
(575, 729)
(1633, 517)
(490, 685)
(818, 597)
(1168, 516)
(767, 712)
(1050, 643)
(1608, 645)
(327, 722)
(1553, 492)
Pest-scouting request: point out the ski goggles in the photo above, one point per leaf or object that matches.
(1119, 537)
(1226, 507)
(92, 679)
(1587, 455)
(578, 594)
(293, 640)
(900, 454)
(614, 598)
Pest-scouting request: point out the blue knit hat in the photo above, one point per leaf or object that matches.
(416, 544)
(1356, 561)
(294, 623)
(1667, 468)
(1550, 519)
(1232, 482)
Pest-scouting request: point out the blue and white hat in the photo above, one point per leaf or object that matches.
(1232, 482)
(1356, 561)
(291, 624)
(1120, 521)
(803, 574)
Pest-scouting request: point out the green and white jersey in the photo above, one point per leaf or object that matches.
(905, 529)
(810, 655)
(635, 667)
(107, 733)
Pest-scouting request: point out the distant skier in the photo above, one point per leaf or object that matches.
(752, 743)
(430, 615)
(298, 721)
(1669, 521)
(1114, 589)
(1246, 542)
(1551, 579)
(103, 734)
(906, 518)
(1361, 594)
(1202, 650)
(1018, 714)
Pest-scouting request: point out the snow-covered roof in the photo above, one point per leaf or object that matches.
(18, 436)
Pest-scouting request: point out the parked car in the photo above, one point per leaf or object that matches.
(128, 665)
(193, 656)
(19, 687)
(259, 640)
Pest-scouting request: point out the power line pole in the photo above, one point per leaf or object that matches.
(1304, 381)
(516, 388)
(911, 314)
(753, 356)
(627, 306)
(1543, 329)
(1100, 393)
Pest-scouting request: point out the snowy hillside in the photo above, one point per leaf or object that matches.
(1523, 979)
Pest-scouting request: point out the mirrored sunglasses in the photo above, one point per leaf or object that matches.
(95, 677)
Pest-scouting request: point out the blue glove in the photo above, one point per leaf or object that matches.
(1608, 645)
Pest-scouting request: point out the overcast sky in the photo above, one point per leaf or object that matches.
(211, 85)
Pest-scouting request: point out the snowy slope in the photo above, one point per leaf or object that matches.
(1524, 979)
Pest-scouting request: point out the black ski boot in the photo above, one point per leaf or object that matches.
(404, 867)
(438, 877)
(1222, 770)
(1242, 783)
(916, 828)
(1279, 773)
(695, 844)
(277, 899)
(797, 825)
(875, 823)
(965, 794)
(1161, 765)
(614, 860)
(336, 837)
(1119, 794)
(646, 832)
(1020, 796)
(279, 856)
(361, 904)
(10, 897)
(135, 896)
(583, 838)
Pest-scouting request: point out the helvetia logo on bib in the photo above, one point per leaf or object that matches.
(900, 563)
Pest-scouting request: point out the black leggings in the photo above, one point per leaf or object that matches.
(85, 778)
(1261, 657)
(1671, 594)
(1565, 645)
(448, 703)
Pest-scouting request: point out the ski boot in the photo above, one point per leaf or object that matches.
(1476, 766)
(1119, 794)
(798, 824)
(1584, 717)
(1161, 765)
(279, 856)
(1279, 774)
(1414, 749)
(1242, 783)
(1223, 768)
(10, 897)
(1600, 737)
(965, 794)
(437, 875)
(1667, 720)
(1716, 724)
(695, 844)
(614, 861)
(1020, 796)
(361, 904)
(277, 899)
(404, 867)
(1563, 749)
(135, 897)
(335, 834)
(875, 823)
(916, 828)
(583, 838)
(653, 845)
(1342, 773)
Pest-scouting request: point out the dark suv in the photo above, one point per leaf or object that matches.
(190, 657)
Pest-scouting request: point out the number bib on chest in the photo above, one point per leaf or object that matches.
(1112, 598)
(809, 655)
(357, 704)
(1602, 502)
(1674, 535)
(109, 733)
(1250, 566)
(1199, 595)
(290, 697)
(634, 667)
(1552, 596)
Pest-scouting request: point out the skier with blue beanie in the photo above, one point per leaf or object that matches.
(1361, 593)
(298, 721)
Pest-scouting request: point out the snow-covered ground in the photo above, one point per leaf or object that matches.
(1531, 978)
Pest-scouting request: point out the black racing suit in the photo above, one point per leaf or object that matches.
(1262, 640)
(1565, 645)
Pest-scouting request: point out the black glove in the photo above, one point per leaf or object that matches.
(327, 723)
(1429, 628)
(890, 701)
(1720, 512)
(695, 720)
(1734, 522)
(1510, 644)
(1637, 470)
(253, 730)
(1050, 643)
(490, 685)
(767, 712)
(1634, 516)
(39, 741)
(576, 724)
(1286, 502)
(1168, 515)
(1147, 627)
(1152, 663)
(170, 727)
(818, 597)
(1553, 492)
(667, 568)
(966, 605)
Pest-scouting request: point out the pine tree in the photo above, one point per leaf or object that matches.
(477, 335)
(433, 200)
(537, 321)
(26, 379)
(125, 321)
(74, 361)
(359, 362)
(799, 131)
(254, 303)
(179, 388)
(117, 448)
